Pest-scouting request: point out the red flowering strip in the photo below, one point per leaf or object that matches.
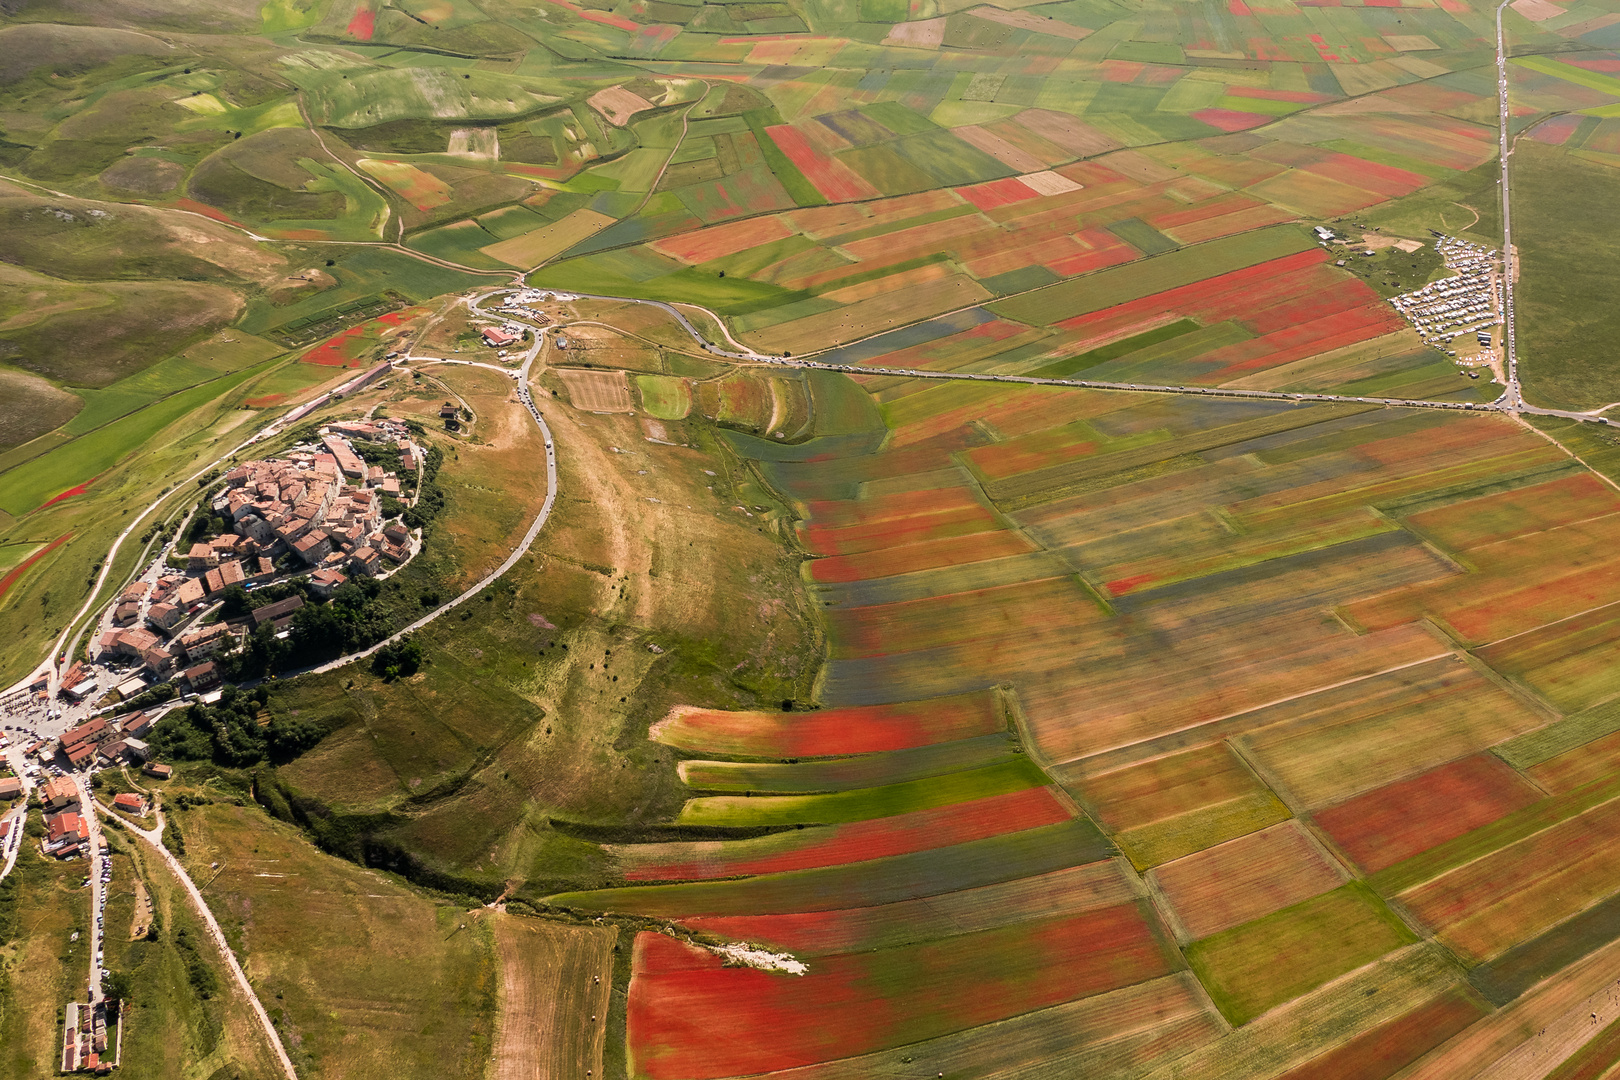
(862, 729)
(21, 568)
(1389, 824)
(836, 181)
(857, 1003)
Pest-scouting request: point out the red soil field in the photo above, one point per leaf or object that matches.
(1243, 879)
(857, 842)
(1230, 120)
(1043, 448)
(1297, 342)
(22, 568)
(835, 180)
(1044, 252)
(1518, 891)
(925, 555)
(1390, 1047)
(332, 352)
(827, 517)
(855, 1004)
(1106, 250)
(996, 193)
(265, 402)
(1212, 299)
(1393, 823)
(205, 210)
(1525, 609)
(821, 933)
(362, 24)
(863, 729)
(1228, 224)
(1217, 207)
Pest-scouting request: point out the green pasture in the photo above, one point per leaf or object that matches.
(1567, 320)
(594, 273)
(458, 242)
(665, 397)
(28, 486)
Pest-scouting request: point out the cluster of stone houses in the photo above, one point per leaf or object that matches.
(107, 741)
(323, 505)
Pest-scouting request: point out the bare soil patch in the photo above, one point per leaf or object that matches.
(597, 391)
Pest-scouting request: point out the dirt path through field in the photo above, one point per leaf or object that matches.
(551, 1023)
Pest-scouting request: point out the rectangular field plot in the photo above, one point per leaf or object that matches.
(1517, 585)
(805, 849)
(831, 732)
(1574, 662)
(827, 933)
(1516, 892)
(859, 1003)
(1014, 775)
(597, 391)
(1134, 1028)
(1010, 616)
(1323, 749)
(1395, 822)
(1244, 879)
(1477, 522)
(1250, 969)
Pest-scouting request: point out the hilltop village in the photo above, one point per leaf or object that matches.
(324, 512)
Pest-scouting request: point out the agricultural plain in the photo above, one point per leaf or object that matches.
(847, 723)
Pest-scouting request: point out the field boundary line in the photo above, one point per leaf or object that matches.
(1253, 709)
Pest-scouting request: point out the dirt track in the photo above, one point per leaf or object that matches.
(544, 1029)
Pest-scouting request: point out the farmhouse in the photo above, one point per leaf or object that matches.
(162, 772)
(130, 803)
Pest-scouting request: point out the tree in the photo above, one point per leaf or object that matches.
(116, 985)
(236, 604)
(398, 659)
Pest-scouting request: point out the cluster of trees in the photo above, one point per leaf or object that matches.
(229, 732)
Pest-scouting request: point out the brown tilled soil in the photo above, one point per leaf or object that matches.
(553, 1010)
(597, 391)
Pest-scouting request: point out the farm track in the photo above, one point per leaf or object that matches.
(154, 838)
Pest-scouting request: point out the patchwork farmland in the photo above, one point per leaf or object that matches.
(1265, 725)
(1127, 698)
